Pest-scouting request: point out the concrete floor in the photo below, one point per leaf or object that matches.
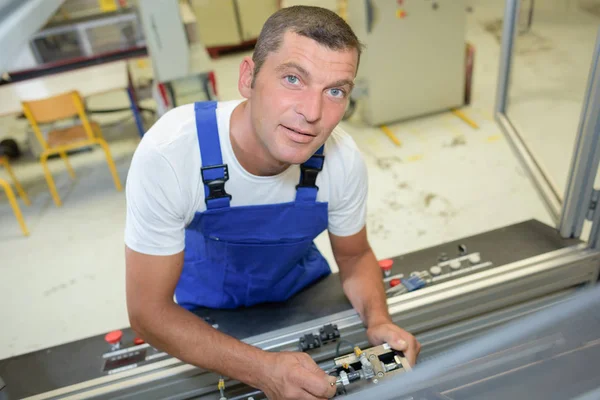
(448, 180)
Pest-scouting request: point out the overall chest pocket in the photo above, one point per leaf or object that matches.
(266, 260)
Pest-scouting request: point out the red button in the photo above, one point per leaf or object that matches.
(386, 265)
(395, 282)
(113, 337)
(138, 341)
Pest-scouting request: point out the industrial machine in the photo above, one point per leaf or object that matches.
(168, 29)
(452, 293)
(546, 356)
(414, 60)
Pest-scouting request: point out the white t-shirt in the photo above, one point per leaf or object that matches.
(164, 185)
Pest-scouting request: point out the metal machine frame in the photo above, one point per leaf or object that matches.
(580, 199)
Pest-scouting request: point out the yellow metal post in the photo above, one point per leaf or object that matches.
(15, 206)
(20, 190)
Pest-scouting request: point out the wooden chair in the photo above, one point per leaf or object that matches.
(11, 196)
(59, 141)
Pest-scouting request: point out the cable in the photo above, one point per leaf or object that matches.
(337, 348)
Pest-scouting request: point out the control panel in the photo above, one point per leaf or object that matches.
(447, 267)
(126, 352)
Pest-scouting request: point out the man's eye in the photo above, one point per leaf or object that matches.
(337, 92)
(292, 79)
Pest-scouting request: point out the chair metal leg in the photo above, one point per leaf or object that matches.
(111, 163)
(15, 206)
(49, 180)
(98, 133)
(20, 190)
(63, 155)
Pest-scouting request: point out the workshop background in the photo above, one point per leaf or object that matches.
(440, 167)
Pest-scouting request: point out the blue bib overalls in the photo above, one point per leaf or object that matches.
(241, 256)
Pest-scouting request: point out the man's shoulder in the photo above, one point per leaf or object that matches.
(341, 146)
(173, 126)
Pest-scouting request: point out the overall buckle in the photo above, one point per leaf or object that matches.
(309, 174)
(216, 187)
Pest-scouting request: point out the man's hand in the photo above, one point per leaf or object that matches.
(293, 375)
(397, 338)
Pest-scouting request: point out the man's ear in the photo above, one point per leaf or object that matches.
(246, 76)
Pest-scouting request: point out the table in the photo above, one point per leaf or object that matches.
(88, 81)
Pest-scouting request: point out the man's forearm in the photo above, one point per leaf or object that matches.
(363, 285)
(188, 338)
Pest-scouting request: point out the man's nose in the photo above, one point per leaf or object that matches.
(310, 106)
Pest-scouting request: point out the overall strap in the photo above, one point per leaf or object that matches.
(306, 190)
(214, 172)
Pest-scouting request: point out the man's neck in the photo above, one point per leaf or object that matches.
(247, 148)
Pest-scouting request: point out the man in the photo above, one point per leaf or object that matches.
(224, 201)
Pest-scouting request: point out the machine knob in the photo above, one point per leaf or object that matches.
(435, 270)
(395, 282)
(474, 259)
(138, 340)
(443, 257)
(386, 266)
(114, 339)
(455, 264)
(462, 250)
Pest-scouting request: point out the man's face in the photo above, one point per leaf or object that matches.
(299, 96)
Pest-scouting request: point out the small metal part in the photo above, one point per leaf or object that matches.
(367, 367)
(354, 376)
(375, 380)
(344, 378)
(329, 333)
(308, 342)
(370, 367)
(390, 367)
(221, 387)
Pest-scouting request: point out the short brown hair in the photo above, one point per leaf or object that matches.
(320, 24)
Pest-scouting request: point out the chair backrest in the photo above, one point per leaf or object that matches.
(55, 108)
(52, 108)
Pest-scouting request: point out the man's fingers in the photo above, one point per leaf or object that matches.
(390, 336)
(411, 356)
(307, 396)
(398, 344)
(319, 385)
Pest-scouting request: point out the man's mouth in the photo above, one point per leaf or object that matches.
(299, 131)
